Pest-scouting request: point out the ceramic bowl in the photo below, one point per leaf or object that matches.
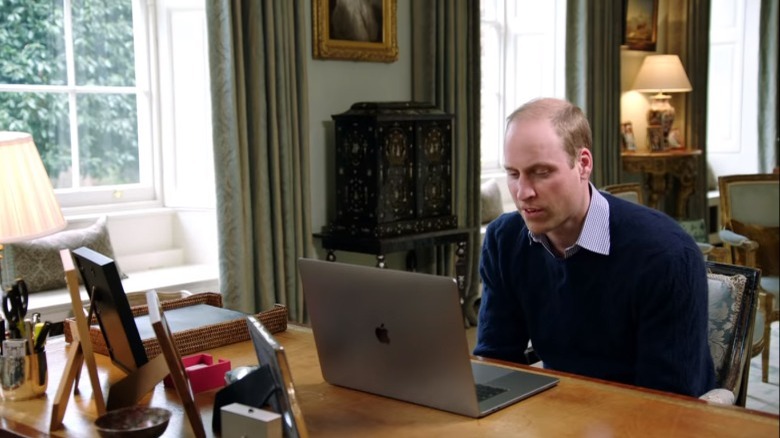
(135, 421)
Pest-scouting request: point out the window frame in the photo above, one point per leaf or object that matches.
(147, 189)
(508, 28)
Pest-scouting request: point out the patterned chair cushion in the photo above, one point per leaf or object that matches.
(696, 228)
(725, 297)
(38, 261)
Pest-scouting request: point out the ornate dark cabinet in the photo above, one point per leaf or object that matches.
(393, 170)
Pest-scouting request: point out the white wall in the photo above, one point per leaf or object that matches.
(334, 85)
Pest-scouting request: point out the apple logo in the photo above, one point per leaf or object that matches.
(382, 335)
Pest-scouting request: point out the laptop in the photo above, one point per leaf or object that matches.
(400, 334)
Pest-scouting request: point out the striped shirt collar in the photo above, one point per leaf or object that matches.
(594, 236)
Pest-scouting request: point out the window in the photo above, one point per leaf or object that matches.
(83, 77)
(523, 57)
(732, 112)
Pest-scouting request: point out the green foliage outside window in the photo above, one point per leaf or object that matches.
(33, 53)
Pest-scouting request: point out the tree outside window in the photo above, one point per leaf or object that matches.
(68, 76)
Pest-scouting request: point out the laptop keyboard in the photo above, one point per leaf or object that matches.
(485, 392)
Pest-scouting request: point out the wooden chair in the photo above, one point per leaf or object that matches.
(733, 293)
(750, 216)
(628, 191)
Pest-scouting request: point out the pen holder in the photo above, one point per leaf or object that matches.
(23, 377)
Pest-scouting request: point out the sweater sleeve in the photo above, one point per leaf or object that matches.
(672, 349)
(501, 330)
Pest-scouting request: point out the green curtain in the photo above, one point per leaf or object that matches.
(593, 78)
(446, 72)
(259, 96)
(687, 31)
(768, 135)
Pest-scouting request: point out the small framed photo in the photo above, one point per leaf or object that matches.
(358, 30)
(675, 140)
(627, 134)
(640, 25)
(655, 138)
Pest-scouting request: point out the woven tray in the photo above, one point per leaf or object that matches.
(193, 340)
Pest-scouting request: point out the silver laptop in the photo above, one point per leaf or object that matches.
(400, 334)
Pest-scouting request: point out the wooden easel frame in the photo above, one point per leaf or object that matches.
(80, 352)
(136, 384)
(173, 360)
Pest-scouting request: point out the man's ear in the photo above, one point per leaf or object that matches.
(585, 163)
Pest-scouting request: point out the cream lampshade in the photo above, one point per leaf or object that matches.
(661, 74)
(28, 208)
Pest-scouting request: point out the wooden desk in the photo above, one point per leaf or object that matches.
(576, 407)
(658, 166)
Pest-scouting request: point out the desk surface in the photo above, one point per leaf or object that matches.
(576, 407)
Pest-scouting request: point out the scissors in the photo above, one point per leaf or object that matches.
(15, 307)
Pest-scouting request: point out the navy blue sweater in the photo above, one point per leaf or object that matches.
(636, 316)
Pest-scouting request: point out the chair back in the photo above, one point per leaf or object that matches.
(628, 191)
(750, 206)
(751, 199)
(733, 292)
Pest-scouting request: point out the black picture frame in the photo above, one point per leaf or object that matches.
(112, 309)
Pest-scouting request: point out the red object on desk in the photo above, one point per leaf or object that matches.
(202, 372)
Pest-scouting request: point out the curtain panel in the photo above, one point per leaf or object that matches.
(593, 78)
(768, 135)
(257, 55)
(446, 72)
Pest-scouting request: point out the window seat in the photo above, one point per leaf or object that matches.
(177, 250)
(54, 305)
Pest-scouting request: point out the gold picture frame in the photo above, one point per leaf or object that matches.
(640, 26)
(338, 34)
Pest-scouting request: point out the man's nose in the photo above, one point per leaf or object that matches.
(521, 189)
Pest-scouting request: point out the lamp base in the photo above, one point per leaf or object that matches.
(660, 118)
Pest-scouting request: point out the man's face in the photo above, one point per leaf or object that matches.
(551, 195)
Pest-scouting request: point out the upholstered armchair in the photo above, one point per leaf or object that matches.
(750, 215)
(732, 297)
(633, 192)
(628, 191)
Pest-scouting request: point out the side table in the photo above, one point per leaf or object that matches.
(657, 166)
(381, 246)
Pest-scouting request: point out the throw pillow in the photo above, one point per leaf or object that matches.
(768, 238)
(491, 206)
(38, 261)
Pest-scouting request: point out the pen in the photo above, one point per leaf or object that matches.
(2, 335)
(37, 329)
(28, 333)
(40, 340)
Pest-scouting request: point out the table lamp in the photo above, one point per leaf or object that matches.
(28, 208)
(660, 74)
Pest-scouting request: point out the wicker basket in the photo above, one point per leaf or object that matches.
(193, 340)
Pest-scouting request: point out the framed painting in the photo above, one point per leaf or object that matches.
(358, 30)
(641, 24)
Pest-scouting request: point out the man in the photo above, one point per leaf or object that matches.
(602, 287)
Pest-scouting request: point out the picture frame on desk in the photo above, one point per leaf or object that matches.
(364, 30)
